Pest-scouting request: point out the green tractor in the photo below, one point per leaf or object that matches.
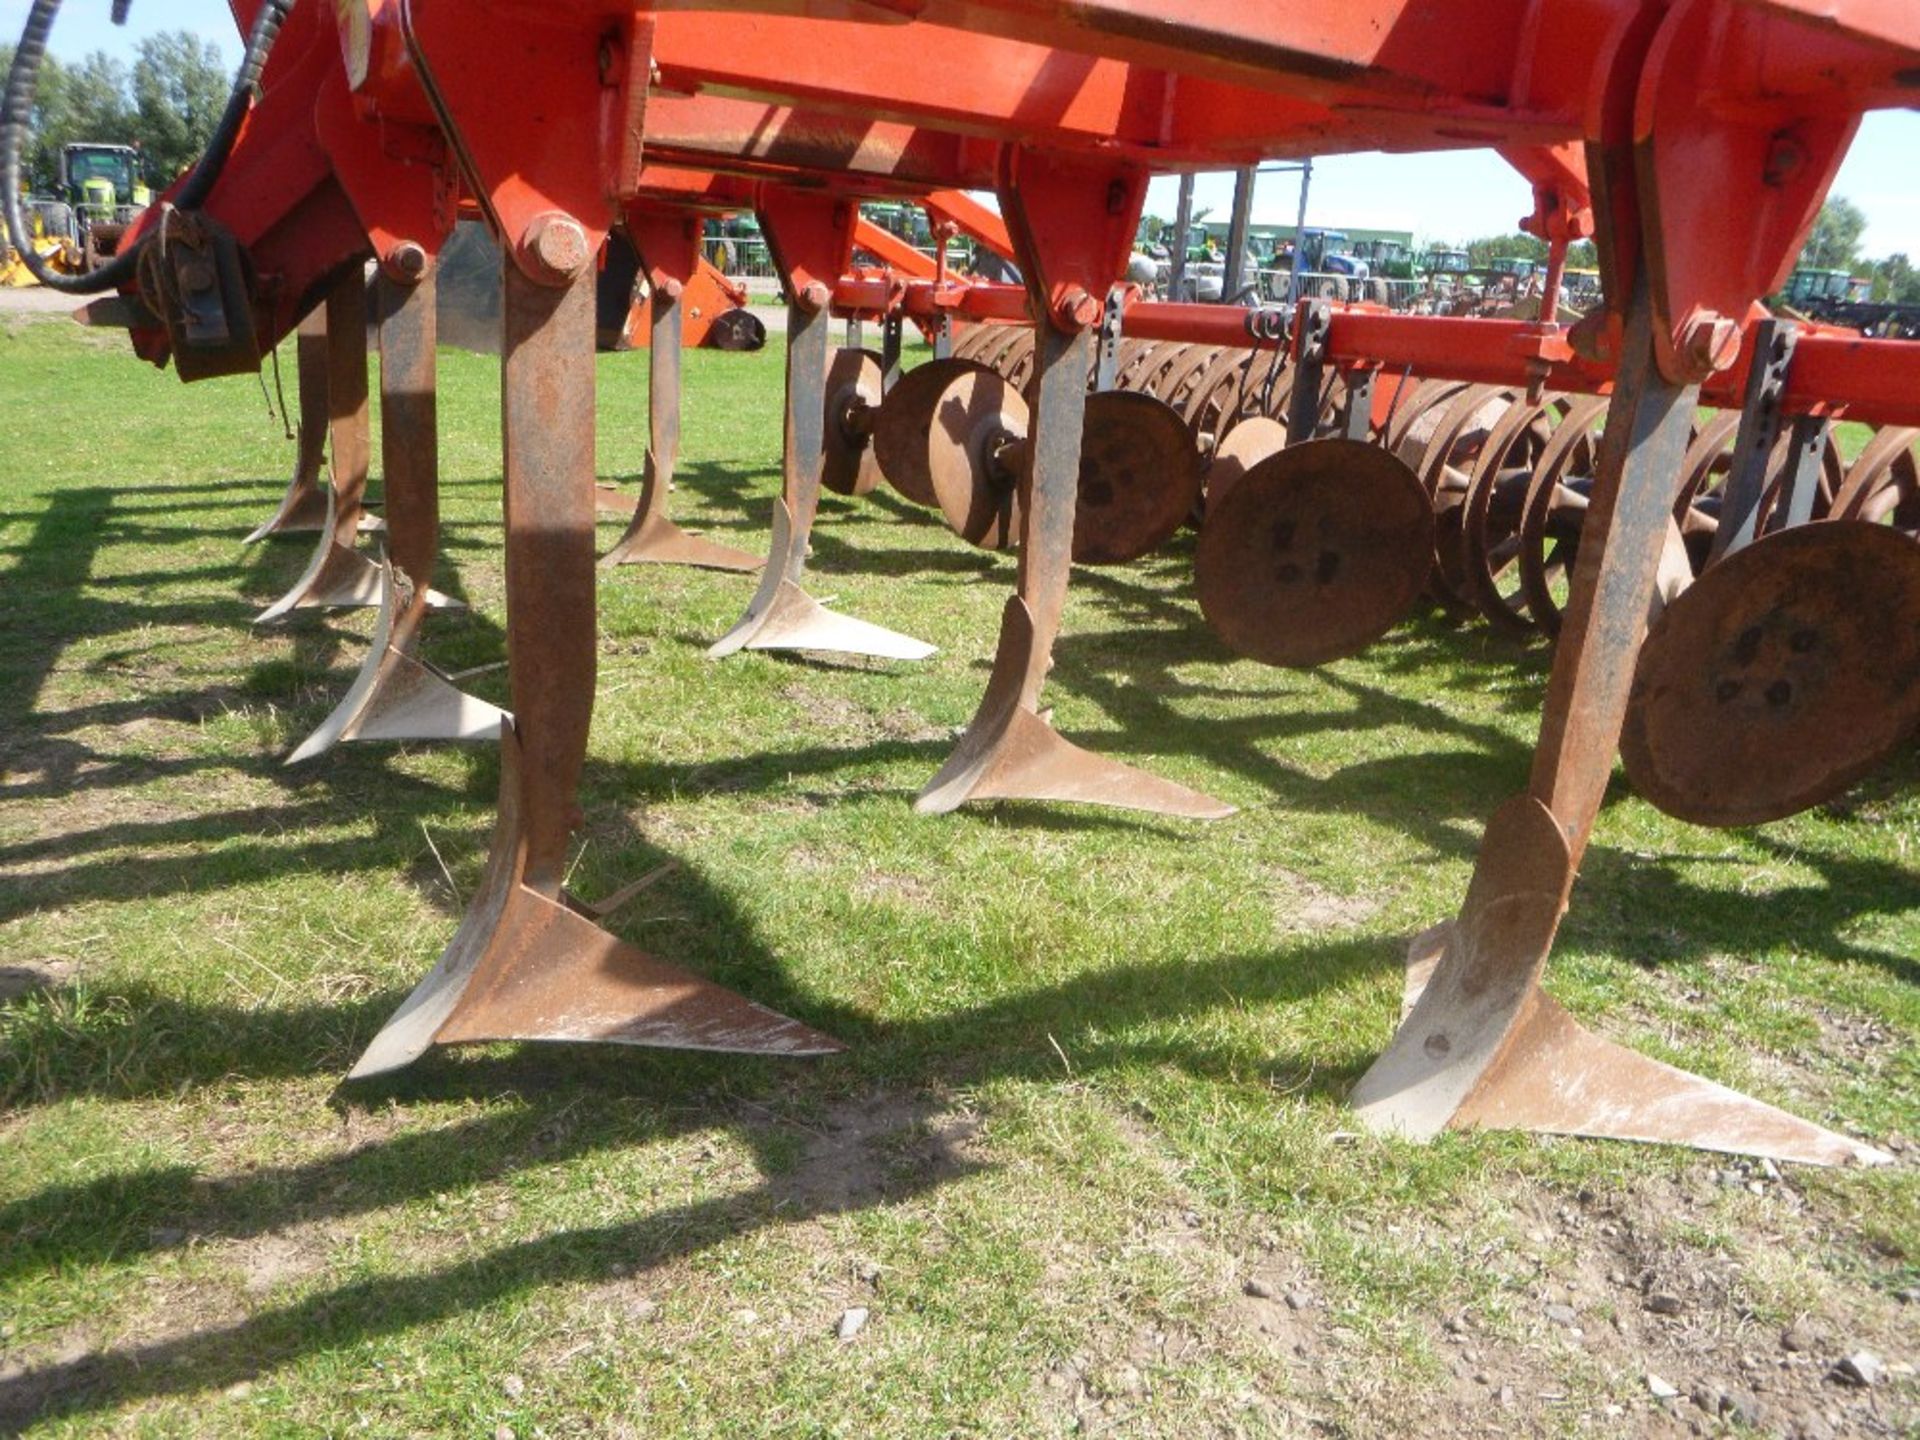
(1811, 290)
(1387, 259)
(107, 192)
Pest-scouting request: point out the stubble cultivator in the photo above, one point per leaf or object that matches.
(1715, 590)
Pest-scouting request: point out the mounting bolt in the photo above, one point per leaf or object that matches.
(814, 296)
(668, 286)
(406, 262)
(1076, 309)
(1711, 341)
(556, 244)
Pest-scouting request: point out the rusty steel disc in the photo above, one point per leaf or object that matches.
(1139, 478)
(1782, 675)
(906, 415)
(977, 419)
(853, 395)
(1246, 445)
(1317, 552)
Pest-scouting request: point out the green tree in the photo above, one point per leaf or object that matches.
(87, 101)
(1834, 241)
(1895, 279)
(179, 89)
(1501, 247)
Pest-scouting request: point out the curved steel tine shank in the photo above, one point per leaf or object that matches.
(669, 249)
(1483, 1044)
(339, 577)
(781, 615)
(303, 509)
(396, 696)
(524, 965)
(1009, 750)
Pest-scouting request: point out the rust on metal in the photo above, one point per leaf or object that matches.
(1139, 478)
(781, 615)
(1317, 552)
(854, 389)
(652, 537)
(1483, 1046)
(904, 423)
(396, 695)
(303, 509)
(1246, 445)
(976, 446)
(524, 965)
(1784, 674)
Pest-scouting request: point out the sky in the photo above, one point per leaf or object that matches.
(1453, 196)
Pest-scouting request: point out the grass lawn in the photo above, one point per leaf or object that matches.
(1085, 1161)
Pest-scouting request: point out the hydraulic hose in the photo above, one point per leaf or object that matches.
(17, 112)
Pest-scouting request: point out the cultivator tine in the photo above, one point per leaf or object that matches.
(652, 538)
(339, 577)
(1009, 751)
(1483, 1045)
(524, 966)
(782, 616)
(396, 696)
(303, 509)
(1781, 676)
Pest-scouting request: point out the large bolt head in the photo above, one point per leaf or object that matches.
(1076, 309)
(814, 295)
(557, 245)
(1711, 341)
(407, 262)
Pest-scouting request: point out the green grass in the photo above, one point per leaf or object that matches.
(1095, 1065)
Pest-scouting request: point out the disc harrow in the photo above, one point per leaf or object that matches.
(1717, 591)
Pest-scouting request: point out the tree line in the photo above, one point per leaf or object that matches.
(167, 104)
(1832, 244)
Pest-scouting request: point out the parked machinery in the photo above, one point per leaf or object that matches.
(1709, 129)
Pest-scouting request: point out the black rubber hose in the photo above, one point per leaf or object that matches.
(17, 112)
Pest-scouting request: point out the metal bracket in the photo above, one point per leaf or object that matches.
(890, 338)
(1801, 478)
(943, 337)
(1106, 351)
(1356, 421)
(1309, 369)
(1746, 483)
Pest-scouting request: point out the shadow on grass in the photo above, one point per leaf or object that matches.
(577, 1102)
(134, 1041)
